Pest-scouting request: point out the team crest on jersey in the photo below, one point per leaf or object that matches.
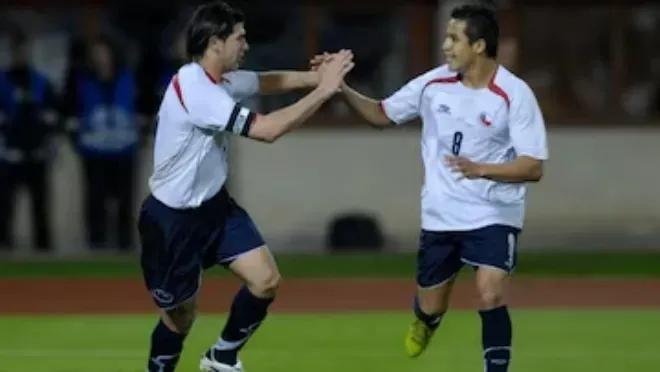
(485, 119)
(443, 109)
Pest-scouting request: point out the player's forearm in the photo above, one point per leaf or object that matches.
(273, 82)
(523, 169)
(272, 126)
(368, 108)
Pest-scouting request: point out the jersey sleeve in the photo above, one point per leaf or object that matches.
(213, 109)
(241, 84)
(527, 126)
(403, 105)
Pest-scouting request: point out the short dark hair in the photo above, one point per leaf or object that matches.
(213, 19)
(481, 23)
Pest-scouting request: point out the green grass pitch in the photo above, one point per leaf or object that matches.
(544, 341)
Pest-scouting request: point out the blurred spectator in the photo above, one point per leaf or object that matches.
(28, 123)
(104, 114)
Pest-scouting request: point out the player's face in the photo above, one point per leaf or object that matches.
(101, 58)
(235, 47)
(457, 48)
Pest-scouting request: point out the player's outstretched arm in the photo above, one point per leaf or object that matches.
(214, 110)
(274, 82)
(270, 127)
(368, 108)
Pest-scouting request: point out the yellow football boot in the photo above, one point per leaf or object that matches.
(418, 338)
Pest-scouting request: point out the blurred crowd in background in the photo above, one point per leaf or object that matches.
(90, 76)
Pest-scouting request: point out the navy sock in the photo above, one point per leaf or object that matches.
(431, 320)
(496, 337)
(246, 314)
(166, 347)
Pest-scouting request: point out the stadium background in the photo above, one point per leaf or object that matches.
(593, 225)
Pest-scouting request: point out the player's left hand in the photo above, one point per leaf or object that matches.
(318, 60)
(467, 168)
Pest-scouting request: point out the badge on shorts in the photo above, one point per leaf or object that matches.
(162, 296)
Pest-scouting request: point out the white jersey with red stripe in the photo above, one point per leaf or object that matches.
(489, 125)
(195, 116)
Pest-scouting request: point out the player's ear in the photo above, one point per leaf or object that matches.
(479, 46)
(215, 43)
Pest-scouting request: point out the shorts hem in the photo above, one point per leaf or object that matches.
(479, 264)
(236, 256)
(464, 228)
(437, 285)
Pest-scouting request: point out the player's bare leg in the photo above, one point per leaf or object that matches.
(258, 270)
(430, 306)
(168, 336)
(495, 319)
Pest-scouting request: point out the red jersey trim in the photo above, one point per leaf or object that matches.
(177, 89)
(498, 90)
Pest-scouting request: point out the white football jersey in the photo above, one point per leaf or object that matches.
(190, 161)
(490, 125)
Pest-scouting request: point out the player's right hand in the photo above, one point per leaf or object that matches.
(333, 71)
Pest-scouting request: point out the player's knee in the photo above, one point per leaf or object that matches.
(266, 284)
(491, 299)
(258, 270)
(491, 286)
(181, 318)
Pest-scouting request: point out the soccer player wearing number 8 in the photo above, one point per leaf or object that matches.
(483, 140)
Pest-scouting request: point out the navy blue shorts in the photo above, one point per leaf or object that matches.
(178, 244)
(441, 255)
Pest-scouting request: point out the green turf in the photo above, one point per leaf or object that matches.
(362, 264)
(545, 341)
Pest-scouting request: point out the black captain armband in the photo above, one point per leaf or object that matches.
(240, 120)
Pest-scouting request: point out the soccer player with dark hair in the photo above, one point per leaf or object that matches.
(483, 140)
(189, 222)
